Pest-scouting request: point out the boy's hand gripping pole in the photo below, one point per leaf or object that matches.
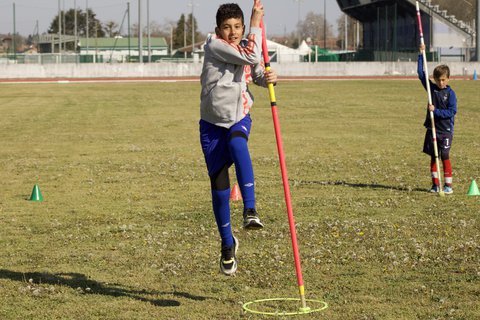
(283, 167)
(434, 132)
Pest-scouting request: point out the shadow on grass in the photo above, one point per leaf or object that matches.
(79, 281)
(358, 185)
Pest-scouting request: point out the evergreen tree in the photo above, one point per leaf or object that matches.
(178, 34)
(184, 28)
(95, 27)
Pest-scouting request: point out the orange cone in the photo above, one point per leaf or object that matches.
(235, 194)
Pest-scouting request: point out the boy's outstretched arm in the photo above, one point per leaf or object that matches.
(420, 70)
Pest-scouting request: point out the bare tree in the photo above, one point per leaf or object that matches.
(111, 28)
(313, 27)
(134, 30)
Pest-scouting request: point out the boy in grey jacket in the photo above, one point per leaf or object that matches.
(230, 64)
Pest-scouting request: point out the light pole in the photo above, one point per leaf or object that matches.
(75, 35)
(192, 4)
(140, 33)
(87, 31)
(325, 24)
(185, 38)
(477, 50)
(314, 32)
(128, 31)
(148, 33)
(64, 27)
(59, 28)
(14, 34)
(298, 19)
(171, 40)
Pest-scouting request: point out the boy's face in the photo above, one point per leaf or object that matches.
(442, 82)
(231, 30)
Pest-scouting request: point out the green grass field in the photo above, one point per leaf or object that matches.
(126, 231)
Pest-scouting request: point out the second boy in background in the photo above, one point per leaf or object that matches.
(444, 109)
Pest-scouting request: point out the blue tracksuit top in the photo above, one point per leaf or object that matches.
(444, 100)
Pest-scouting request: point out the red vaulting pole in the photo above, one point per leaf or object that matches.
(283, 167)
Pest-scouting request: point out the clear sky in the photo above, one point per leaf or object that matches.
(281, 15)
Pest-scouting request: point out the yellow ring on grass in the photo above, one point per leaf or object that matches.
(301, 310)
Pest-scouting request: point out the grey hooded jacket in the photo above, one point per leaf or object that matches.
(227, 70)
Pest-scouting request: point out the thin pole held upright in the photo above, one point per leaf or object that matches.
(427, 80)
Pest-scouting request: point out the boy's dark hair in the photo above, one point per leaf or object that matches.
(228, 11)
(441, 70)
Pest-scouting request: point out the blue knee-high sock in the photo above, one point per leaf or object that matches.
(221, 209)
(243, 167)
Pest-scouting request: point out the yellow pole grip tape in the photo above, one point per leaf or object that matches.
(301, 289)
(271, 90)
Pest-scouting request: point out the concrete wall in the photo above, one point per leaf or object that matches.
(369, 69)
(170, 69)
(99, 70)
